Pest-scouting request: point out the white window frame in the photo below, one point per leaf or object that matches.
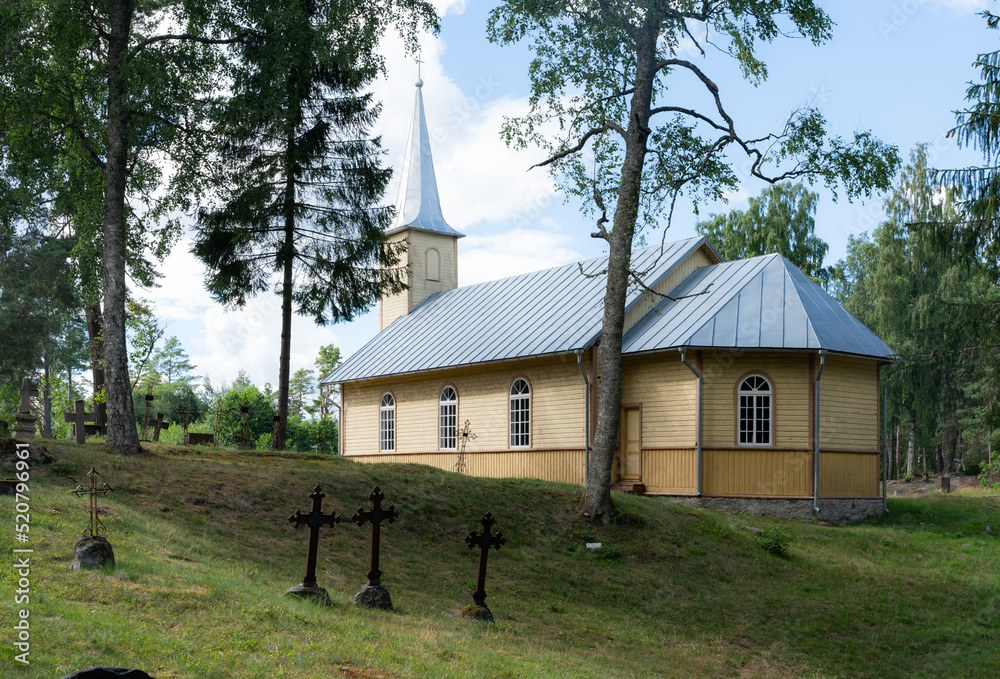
(448, 419)
(387, 423)
(519, 414)
(755, 411)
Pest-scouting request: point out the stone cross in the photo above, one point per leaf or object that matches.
(158, 426)
(375, 517)
(314, 519)
(484, 540)
(96, 526)
(79, 420)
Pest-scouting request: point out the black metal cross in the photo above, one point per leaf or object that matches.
(484, 540)
(79, 418)
(158, 426)
(375, 517)
(314, 519)
(96, 526)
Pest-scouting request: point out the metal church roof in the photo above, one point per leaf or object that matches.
(418, 205)
(762, 302)
(542, 313)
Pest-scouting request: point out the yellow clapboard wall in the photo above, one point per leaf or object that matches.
(849, 474)
(849, 404)
(565, 466)
(557, 407)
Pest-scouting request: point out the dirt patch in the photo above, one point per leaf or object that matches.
(918, 488)
(8, 452)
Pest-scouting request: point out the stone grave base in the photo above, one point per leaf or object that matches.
(477, 612)
(92, 552)
(374, 596)
(108, 673)
(317, 594)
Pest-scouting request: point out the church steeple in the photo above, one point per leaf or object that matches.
(418, 205)
(431, 257)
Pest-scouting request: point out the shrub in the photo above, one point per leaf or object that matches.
(775, 540)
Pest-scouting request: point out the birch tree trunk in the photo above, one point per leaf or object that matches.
(122, 437)
(597, 504)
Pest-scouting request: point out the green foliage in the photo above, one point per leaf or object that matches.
(775, 540)
(174, 397)
(989, 474)
(172, 362)
(781, 220)
(227, 411)
(145, 330)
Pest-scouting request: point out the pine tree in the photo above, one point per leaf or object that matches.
(302, 178)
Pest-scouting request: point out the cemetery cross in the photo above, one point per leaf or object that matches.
(96, 526)
(376, 516)
(314, 519)
(79, 418)
(158, 426)
(484, 540)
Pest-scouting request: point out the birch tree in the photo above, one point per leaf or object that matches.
(617, 134)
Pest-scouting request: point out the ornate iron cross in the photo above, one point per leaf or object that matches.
(465, 435)
(484, 540)
(375, 517)
(314, 519)
(96, 526)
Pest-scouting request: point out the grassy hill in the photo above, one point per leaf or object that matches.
(205, 553)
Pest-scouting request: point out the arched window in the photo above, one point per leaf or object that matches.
(387, 424)
(433, 264)
(448, 419)
(755, 411)
(520, 414)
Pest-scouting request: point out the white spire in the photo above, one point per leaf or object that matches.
(418, 205)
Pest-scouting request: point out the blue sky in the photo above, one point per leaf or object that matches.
(898, 69)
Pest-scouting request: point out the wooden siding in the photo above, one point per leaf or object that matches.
(789, 375)
(668, 391)
(420, 287)
(755, 471)
(670, 472)
(557, 406)
(848, 404)
(699, 257)
(848, 474)
(392, 307)
(565, 466)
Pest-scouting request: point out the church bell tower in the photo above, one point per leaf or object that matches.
(431, 257)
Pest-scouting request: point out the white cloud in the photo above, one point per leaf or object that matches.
(181, 294)
(486, 258)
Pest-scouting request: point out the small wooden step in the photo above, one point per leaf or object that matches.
(634, 487)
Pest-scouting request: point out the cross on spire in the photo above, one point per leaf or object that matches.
(484, 539)
(375, 517)
(314, 519)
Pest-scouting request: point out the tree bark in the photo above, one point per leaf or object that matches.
(122, 437)
(899, 443)
(95, 331)
(281, 426)
(911, 449)
(597, 504)
(46, 398)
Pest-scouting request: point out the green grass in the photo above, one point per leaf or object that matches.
(205, 552)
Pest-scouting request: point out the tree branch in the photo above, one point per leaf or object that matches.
(583, 142)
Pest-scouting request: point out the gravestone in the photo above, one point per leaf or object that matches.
(373, 594)
(25, 416)
(193, 439)
(485, 539)
(108, 673)
(309, 588)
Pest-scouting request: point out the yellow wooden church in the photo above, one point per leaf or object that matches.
(746, 386)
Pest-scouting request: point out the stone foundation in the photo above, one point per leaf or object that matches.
(850, 510)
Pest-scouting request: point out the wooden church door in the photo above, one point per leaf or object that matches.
(631, 447)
